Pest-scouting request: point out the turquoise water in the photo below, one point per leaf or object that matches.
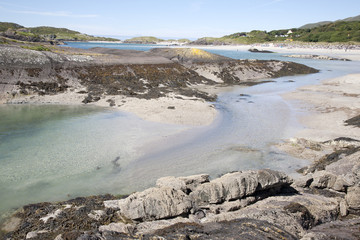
(50, 153)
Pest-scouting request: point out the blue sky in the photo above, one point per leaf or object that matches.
(168, 18)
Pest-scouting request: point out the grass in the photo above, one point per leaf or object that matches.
(37, 48)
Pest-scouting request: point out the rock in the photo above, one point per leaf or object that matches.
(154, 203)
(185, 184)
(118, 227)
(97, 214)
(151, 227)
(237, 185)
(31, 235)
(276, 210)
(343, 208)
(353, 198)
(346, 229)
(58, 237)
(314, 236)
(340, 184)
(323, 179)
(304, 181)
(232, 205)
(243, 228)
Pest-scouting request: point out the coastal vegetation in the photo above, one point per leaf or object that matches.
(332, 32)
(43, 33)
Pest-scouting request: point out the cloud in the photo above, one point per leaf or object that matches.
(58, 14)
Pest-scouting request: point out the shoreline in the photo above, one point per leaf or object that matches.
(172, 109)
(352, 54)
(327, 106)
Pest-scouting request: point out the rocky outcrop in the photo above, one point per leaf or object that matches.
(101, 72)
(251, 204)
(248, 71)
(255, 50)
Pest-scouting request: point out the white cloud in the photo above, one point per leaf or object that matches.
(58, 14)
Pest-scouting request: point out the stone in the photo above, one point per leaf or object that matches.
(343, 208)
(118, 227)
(96, 214)
(353, 198)
(185, 184)
(154, 204)
(152, 226)
(323, 179)
(31, 235)
(273, 210)
(304, 181)
(340, 184)
(233, 186)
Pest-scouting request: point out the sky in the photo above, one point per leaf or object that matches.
(174, 19)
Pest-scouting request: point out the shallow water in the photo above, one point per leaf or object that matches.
(50, 153)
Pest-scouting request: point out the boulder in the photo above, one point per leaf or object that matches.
(117, 227)
(353, 198)
(153, 204)
(323, 179)
(237, 185)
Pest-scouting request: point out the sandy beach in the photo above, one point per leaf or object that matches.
(173, 109)
(326, 106)
(352, 54)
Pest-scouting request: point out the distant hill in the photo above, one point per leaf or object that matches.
(314, 25)
(44, 33)
(318, 24)
(338, 31)
(6, 25)
(144, 40)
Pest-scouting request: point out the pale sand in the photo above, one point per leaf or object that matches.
(329, 104)
(353, 55)
(173, 109)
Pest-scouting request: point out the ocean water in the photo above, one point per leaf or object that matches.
(51, 153)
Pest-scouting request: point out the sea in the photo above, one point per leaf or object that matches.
(55, 153)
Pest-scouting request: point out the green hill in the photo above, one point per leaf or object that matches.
(339, 31)
(143, 40)
(319, 24)
(6, 25)
(45, 33)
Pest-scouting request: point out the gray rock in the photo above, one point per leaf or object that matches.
(353, 198)
(343, 208)
(304, 181)
(152, 226)
(318, 209)
(185, 184)
(237, 185)
(344, 229)
(323, 179)
(118, 227)
(153, 203)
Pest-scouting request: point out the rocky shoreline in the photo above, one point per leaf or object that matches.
(247, 205)
(241, 205)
